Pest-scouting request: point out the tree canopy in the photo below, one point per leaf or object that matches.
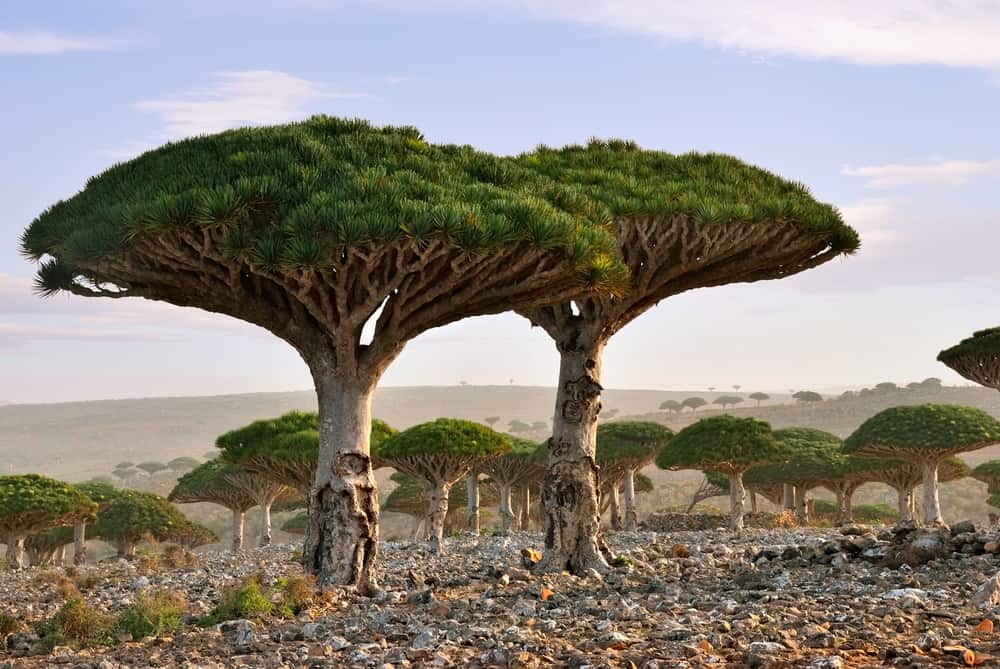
(99, 492)
(922, 431)
(209, 482)
(31, 503)
(725, 443)
(446, 436)
(630, 440)
(807, 396)
(977, 358)
(727, 400)
(694, 403)
(989, 473)
(671, 405)
(132, 515)
(813, 457)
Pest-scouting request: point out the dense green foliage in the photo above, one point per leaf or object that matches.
(982, 342)
(987, 471)
(29, 502)
(813, 456)
(807, 396)
(99, 492)
(725, 443)
(152, 615)
(297, 524)
(290, 196)
(446, 436)
(630, 440)
(291, 436)
(208, 483)
(131, 515)
(924, 429)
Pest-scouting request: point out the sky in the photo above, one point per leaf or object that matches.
(887, 110)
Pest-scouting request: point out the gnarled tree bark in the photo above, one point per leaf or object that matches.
(80, 544)
(239, 518)
(438, 512)
(15, 551)
(736, 495)
(932, 505)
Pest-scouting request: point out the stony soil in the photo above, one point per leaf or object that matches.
(771, 598)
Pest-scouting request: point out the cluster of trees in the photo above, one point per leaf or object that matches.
(40, 516)
(388, 229)
(902, 447)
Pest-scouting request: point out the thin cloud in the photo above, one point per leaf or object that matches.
(35, 43)
(14, 333)
(242, 98)
(889, 32)
(943, 173)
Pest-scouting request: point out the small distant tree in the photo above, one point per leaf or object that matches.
(101, 494)
(847, 395)
(727, 400)
(622, 450)
(931, 382)
(724, 444)
(190, 534)
(133, 516)
(491, 420)
(924, 435)
(125, 464)
(693, 403)
(125, 474)
(849, 474)
(297, 524)
(439, 453)
(411, 498)
(183, 464)
(886, 387)
(672, 406)
(807, 397)
(48, 547)
(152, 467)
(518, 427)
(210, 483)
(759, 397)
(523, 465)
(914, 385)
(30, 503)
(711, 389)
(608, 414)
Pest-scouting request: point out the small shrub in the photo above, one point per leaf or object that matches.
(296, 593)
(176, 557)
(86, 582)
(622, 561)
(785, 519)
(76, 624)
(824, 506)
(8, 625)
(241, 601)
(875, 513)
(62, 586)
(153, 615)
(148, 563)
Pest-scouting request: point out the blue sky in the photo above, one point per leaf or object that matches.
(888, 112)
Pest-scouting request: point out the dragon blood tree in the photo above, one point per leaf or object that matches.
(517, 468)
(30, 503)
(210, 482)
(624, 448)
(903, 477)
(286, 449)
(48, 547)
(846, 476)
(713, 484)
(101, 494)
(410, 497)
(682, 222)
(311, 231)
(727, 445)
(989, 473)
(296, 524)
(924, 435)
(190, 534)
(812, 456)
(439, 453)
(134, 516)
(976, 358)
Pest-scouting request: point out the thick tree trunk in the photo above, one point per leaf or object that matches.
(736, 495)
(60, 556)
(570, 490)
(524, 521)
(801, 516)
(80, 543)
(472, 502)
(628, 499)
(506, 510)
(788, 497)
(913, 506)
(239, 518)
(438, 512)
(903, 497)
(753, 502)
(841, 507)
(849, 504)
(342, 541)
(932, 506)
(616, 509)
(15, 551)
(265, 523)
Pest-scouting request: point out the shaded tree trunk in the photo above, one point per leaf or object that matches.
(438, 512)
(343, 535)
(616, 510)
(903, 497)
(788, 497)
(753, 502)
(15, 551)
(265, 523)
(60, 556)
(628, 499)
(472, 504)
(932, 506)
(801, 516)
(420, 531)
(570, 491)
(913, 506)
(506, 511)
(736, 495)
(239, 518)
(80, 544)
(524, 522)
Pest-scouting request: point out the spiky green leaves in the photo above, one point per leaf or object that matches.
(631, 440)
(131, 515)
(814, 456)
(977, 358)
(31, 503)
(928, 431)
(446, 436)
(209, 482)
(293, 196)
(989, 473)
(723, 443)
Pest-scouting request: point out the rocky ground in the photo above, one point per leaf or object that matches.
(817, 598)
